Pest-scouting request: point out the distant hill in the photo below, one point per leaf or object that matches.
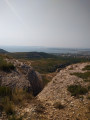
(31, 55)
(3, 51)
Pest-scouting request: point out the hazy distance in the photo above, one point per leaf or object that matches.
(50, 23)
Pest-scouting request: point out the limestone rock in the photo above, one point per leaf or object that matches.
(24, 76)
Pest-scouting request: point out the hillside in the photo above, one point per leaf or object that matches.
(60, 103)
(66, 97)
(31, 55)
(26, 94)
(3, 51)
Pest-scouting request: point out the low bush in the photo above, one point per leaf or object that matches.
(87, 67)
(7, 67)
(76, 90)
(82, 75)
(40, 108)
(85, 76)
(58, 105)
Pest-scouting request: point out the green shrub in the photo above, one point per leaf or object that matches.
(76, 90)
(85, 76)
(7, 67)
(87, 67)
(82, 75)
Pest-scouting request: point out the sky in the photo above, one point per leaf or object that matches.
(51, 23)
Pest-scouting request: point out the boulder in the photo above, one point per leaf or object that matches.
(24, 77)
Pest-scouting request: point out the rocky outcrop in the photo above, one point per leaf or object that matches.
(45, 107)
(56, 92)
(22, 77)
(35, 81)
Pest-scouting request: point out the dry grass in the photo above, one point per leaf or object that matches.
(12, 98)
(8, 105)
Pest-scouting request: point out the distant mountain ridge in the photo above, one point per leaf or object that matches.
(44, 49)
(31, 55)
(3, 51)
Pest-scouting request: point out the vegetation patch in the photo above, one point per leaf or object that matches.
(58, 105)
(77, 90)
(31, 55)
(45, 66)
(9, 98)
(45, 79)
(8, 106)
(7, 67)
(49, 65)
(40, 108)
(87, 67)
(85, 76)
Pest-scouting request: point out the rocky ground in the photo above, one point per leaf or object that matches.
(42, 107)
(73, 108)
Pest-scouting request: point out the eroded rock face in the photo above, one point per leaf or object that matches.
(23, 77)
(35, 81)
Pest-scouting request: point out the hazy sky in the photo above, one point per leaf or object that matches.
(52, 23)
